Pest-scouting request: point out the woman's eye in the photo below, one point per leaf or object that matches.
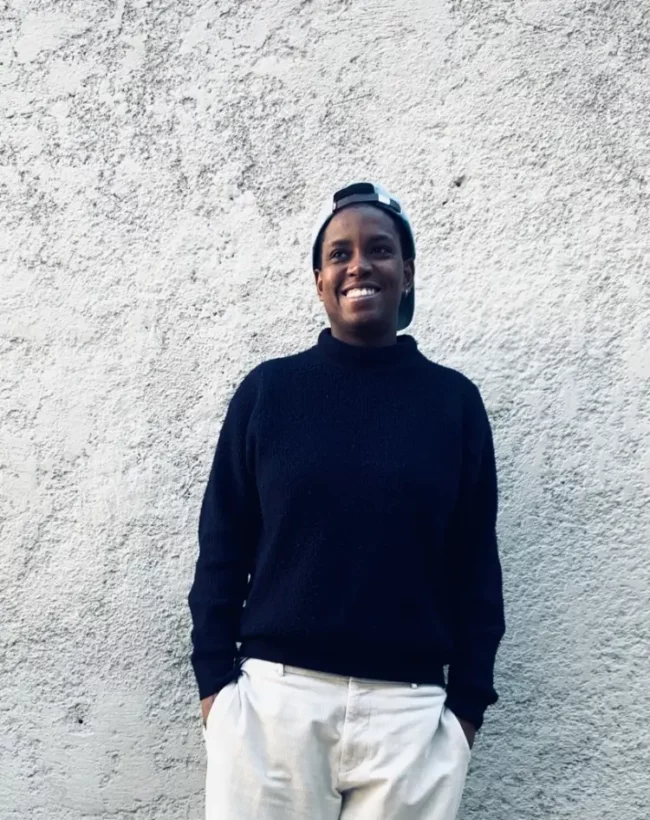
(382, 249)
(337, 254)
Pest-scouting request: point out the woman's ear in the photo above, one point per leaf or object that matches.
(409, 274)
(319, 284)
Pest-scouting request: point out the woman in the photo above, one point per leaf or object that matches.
(347, 542)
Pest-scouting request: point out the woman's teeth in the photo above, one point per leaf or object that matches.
(360, 293)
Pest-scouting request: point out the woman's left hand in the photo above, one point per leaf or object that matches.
(470, 731)
(206, 705)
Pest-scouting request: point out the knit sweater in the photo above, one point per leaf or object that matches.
(348, 525)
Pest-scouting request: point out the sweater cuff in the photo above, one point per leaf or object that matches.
(466, 708)
(212, 675)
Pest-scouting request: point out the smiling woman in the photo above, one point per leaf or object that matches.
(363, 236)
(362, 274)
(351, 507)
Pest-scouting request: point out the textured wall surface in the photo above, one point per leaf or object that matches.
(160, 165)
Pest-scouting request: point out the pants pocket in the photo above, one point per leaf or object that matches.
(219, 704)
(457, 730)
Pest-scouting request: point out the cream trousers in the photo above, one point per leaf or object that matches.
(291, 744)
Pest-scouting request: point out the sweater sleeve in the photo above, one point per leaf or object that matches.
(228, 529)
(477, 603)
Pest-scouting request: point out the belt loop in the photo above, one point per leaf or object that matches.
(414, 686)
(280, 669)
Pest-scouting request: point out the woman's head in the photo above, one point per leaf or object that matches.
(364, 266)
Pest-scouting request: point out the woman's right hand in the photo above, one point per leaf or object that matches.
(206, 705)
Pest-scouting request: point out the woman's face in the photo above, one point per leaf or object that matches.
(362, 275)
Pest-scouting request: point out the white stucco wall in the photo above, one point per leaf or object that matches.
(159, 165)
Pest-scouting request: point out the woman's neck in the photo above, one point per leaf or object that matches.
(369, 339)
(403, 351)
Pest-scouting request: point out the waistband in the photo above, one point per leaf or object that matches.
(336, 663)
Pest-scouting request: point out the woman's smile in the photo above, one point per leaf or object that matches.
(358, 294)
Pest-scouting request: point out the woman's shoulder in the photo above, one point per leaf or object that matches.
(457, 386)
(279, 365)
(450, 376)
(274, 369)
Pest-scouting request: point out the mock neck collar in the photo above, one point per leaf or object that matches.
(404, 351)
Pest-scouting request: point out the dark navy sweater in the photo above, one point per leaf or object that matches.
(348, 525)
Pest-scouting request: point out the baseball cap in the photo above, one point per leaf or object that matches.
(371, 194)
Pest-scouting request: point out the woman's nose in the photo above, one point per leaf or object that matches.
(359, 264)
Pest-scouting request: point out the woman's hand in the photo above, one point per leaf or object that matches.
(470, 731)
(206, 705)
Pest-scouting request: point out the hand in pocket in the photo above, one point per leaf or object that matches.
(470, 731)
(206, 705)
